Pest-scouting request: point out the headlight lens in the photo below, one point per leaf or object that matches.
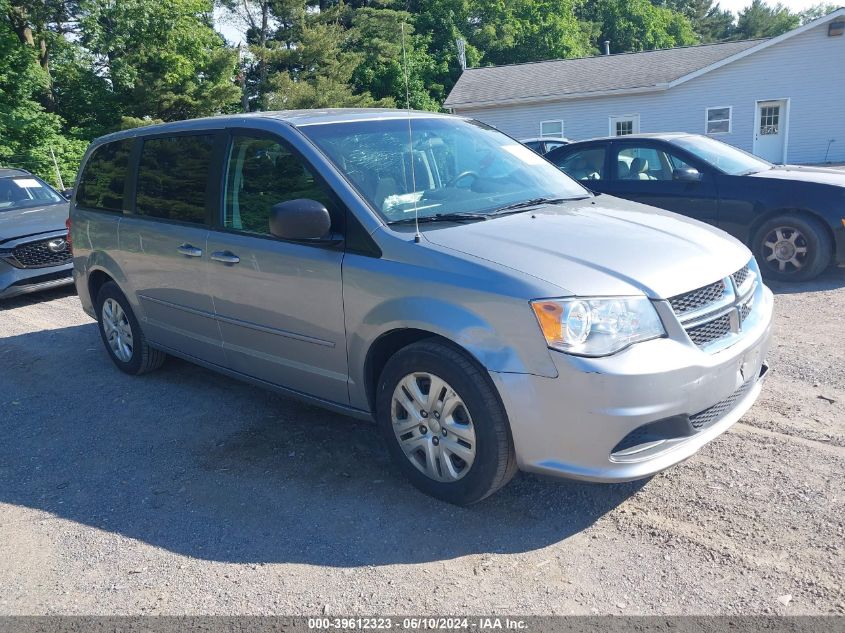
(597, 326)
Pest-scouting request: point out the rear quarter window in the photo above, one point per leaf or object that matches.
(102, 184)
(173, 178)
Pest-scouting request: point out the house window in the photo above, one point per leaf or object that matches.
(769, 119)
(625, 125)
(551, 128)
(718, 120)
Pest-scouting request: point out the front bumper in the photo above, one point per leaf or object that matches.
(20, 276)
(574, 425)
(18, 281)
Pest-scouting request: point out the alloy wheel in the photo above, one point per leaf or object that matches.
(785, 249)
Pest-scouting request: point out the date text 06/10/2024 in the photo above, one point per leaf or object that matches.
(415, 624)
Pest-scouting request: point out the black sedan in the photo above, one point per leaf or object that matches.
(792, 218)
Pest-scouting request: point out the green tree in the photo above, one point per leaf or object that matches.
(162, 57)
(315, 72)
(710, 22)
(28, 132)
(443, 22)
(761, 20)
(526, 30)
(378, 34)
(816, 11)
(638, 25)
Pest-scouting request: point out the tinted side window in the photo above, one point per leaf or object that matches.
(585, 164)
(261, 173)
(102, 184)
(173, 178)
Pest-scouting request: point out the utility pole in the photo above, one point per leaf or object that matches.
(58, 171)
(462, 53)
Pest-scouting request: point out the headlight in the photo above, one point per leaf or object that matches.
(597, 326)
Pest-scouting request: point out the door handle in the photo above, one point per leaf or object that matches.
(226, 257)
(189, 251)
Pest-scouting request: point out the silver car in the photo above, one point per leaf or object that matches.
(428, 272)
(33, 248)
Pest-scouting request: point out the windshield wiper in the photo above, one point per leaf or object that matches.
(442, 217)
(527, 204)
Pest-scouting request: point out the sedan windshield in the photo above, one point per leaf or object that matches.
(722, 156)
(442, 167)
(26, 191)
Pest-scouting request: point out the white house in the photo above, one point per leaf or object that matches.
(782, 98)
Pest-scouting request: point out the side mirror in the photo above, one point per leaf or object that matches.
(300, 219)
(686, 175)
(67, 193)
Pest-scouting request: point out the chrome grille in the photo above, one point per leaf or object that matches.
(711, 330)
(707, 417)
(713, 312)
(40, 254)
(697, 299)
(745, 310)
(741, 275)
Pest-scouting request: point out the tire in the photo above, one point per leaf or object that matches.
(478, 422)
(141, 357)
(803, 238)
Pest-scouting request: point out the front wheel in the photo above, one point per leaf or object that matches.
(444, 423)
(792, 248)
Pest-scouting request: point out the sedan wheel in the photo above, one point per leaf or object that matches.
(785, 248)
(793, 247)
(433, 427)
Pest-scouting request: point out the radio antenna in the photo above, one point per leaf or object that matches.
(417, 236)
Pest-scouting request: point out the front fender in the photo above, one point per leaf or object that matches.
(453, 322)
(511, 344)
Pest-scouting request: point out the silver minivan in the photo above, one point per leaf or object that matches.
(428, 272)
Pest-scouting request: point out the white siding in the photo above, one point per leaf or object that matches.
(808, 69)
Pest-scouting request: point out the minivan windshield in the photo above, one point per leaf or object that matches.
(444, 167)
(18, 192)
(722, 156)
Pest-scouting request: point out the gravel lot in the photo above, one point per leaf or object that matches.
(184, 492)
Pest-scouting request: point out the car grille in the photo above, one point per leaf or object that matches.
(713, 312)
(711, 331)
(40, 255)
(697, 299)
(745, 310)
(740, 276)
(705, 418)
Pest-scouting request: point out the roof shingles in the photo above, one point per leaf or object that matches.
(600, 74)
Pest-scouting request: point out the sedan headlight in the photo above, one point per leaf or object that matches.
(597, 326)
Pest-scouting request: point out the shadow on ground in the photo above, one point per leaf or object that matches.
(831, 279)
(205, 466)
(37, 297)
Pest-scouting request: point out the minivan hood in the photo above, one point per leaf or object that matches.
(820, 175)
(602, 246)
(16, 223)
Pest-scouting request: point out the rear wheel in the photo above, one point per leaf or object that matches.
(122, 335)
(792, 248)
(444, 423)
